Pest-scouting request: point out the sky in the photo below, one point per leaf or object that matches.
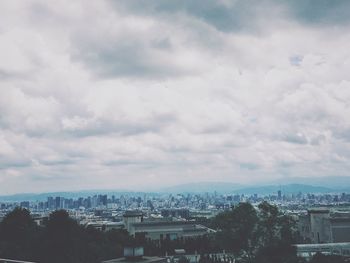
(142, 94)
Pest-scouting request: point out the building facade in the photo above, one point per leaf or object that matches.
(323, 226)
(160, 229)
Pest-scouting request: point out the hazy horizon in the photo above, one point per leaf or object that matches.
(151, 93)
(221, 187)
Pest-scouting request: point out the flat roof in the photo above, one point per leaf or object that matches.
(318, 210)
(164, 223)
(141, 260)
(342, 244)
(131, 213)
(14, 261)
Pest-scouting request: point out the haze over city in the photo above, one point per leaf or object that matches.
(148, 94)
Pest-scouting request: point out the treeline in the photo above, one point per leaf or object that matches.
(61, 239)
(262, 235)
(257, 235)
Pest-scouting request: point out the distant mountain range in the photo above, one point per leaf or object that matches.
(289, 186)
(334, 182)
(286, 189)
(229, 188)
(202, 187)
(73, 194)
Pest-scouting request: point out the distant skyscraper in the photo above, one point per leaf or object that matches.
(50, 203)
(279, 195)
(25, 204)
(59, 202)
(102, 200)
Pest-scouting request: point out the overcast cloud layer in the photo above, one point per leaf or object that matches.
(142, 94)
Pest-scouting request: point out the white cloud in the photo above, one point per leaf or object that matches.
(104, 95)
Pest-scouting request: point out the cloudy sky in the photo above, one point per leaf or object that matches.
(141, 94)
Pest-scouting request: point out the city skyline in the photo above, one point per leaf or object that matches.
(123, 94)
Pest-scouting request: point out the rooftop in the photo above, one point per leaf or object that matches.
(164, 223)
(344, 244)
(13, 261)
(141, 260)
(132, 213)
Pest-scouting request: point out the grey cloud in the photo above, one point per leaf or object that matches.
(106, 127)
(120, 60)
(296, 138)
(126, 56)
(57, 162)
(296, 60)
(13, 163)
(317, 140)
(173, 91)
(234, 16)
(249, 166)
(132, 162)
(163, 43)
(6, 75)
(242, 15)
(320, 11)
(52, 177)
(93, 127)
(342, 134)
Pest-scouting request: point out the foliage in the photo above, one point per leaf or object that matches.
(183, 259)
(62, 239)
(254, 234)
(17, 233)
(258, 235)
(320, 258)
(236, 229)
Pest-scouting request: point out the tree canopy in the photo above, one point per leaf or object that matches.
(261, 234)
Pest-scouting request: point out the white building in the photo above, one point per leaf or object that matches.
(158, 230)
(322, 226)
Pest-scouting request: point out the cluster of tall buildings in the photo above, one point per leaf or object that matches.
(54, 203)
(159, 214)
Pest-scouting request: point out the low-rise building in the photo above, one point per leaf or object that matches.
(324, 226)
(309, 250)
(160, 229)
(135, 254)
(169, 230)
(105, 225)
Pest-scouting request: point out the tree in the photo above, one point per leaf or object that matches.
(262, 235)
(17, 233)
(277, 253)
(61, 239)
(276, 234)
(268, 223)
(320, 258)
(183, 259)
(64, 239)
(237, 229)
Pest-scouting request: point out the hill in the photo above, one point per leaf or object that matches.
(203, 187)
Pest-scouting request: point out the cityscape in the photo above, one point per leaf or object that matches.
(174, 131)
(321, 221)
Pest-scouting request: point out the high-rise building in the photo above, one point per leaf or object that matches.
(279, 195)
(50, 203)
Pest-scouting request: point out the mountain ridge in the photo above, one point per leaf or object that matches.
(318, 186)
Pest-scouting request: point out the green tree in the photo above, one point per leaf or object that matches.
(64, 239)
(183, 259)
(268, 230)
(237, 229)
(276, 234)
(320, 258)
(262, 235)
(18, 232)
